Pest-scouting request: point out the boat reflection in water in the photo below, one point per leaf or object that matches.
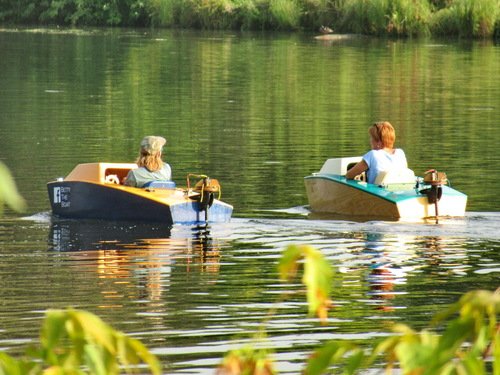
(388, 269)
(143, 254)
(390, 260)
(380, 267)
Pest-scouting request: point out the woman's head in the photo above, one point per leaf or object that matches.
(382, 134)
(150, 153)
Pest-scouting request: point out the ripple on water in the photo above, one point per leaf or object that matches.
(192, 294)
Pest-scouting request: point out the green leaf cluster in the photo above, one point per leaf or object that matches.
(247, 361)
(79, 342)
(316, 277)
(385, 17)
(468, 342)
(467, 19)
(8, 191)
(463, 18)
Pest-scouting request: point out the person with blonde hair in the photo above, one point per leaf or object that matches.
(150, 164)
(383, 157)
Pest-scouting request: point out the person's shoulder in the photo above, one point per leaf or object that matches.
(371, 153)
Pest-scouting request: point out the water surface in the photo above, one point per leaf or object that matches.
(258, 112)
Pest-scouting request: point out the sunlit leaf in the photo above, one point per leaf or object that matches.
(288, 263)
(473, 304)
(72, 339)
(455, 334)
(9, 365)
(355, 361)
(136, 351)
(51, 334)
(317, 276)
(247, 360)
(8, 191)
(95, 361)
(474, 365)
(495, 351)
(97, 331)
(414, 357)
(335, 352)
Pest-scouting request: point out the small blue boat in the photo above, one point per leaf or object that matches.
(394, 195)
(95, 191)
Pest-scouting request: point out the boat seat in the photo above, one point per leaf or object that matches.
(398, 176)
(161, 184)
(339, 166)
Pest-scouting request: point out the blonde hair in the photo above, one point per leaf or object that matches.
(152, 162)
(384, 133)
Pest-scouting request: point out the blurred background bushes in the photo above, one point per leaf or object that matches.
(462, 18)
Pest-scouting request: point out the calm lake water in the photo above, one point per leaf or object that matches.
(258, 112)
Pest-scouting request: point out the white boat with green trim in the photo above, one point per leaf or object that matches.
(394, 195)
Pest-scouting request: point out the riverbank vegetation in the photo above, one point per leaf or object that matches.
(401, 18)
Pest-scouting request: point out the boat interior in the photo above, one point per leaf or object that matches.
(401, 177)
(101, 173)
(111, 173)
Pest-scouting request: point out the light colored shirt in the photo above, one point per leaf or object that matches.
(140, 176)
(382, 161)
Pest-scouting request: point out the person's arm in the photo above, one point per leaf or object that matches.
(130, 179)
(356, 170)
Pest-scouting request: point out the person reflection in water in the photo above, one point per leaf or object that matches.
(382, 157)
(150, 165)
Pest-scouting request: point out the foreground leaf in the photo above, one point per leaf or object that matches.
(8, 191)
(73, 339)
(317, 276)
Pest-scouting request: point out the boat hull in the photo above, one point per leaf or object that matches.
(83, 199)
(328, 193)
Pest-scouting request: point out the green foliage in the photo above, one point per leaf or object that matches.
(77, 12)
(247, 360)
(8, 191)
(225, 14)
(461, 349)
(363, 17)
(467, 18)
(78, 342)
(285, 14)
(385, 17)
(317, 276)
(208, 14)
